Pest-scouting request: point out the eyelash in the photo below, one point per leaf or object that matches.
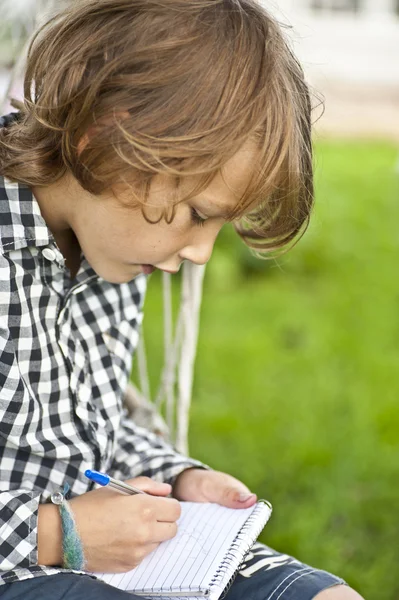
(196, 218)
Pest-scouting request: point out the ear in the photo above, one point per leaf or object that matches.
(104, 121)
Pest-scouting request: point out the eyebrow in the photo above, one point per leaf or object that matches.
(217, 211)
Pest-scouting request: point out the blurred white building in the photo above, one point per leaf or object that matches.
(350, 51)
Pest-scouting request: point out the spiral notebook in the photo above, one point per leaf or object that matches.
(203, 558)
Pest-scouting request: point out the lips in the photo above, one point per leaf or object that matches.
(148, 269)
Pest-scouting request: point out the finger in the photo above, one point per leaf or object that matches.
(155, 488)
(167, 510)
(164, 532)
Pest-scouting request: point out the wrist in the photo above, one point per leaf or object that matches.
(49, 536)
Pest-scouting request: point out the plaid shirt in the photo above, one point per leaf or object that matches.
(65, 357)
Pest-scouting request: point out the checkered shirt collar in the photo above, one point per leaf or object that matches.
(21, 222)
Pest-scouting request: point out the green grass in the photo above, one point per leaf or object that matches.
(296, 389)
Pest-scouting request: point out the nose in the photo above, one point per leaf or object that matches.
(199, 251)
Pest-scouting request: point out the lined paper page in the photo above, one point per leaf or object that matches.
(189, 561)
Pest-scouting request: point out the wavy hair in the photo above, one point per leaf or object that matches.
(195, 80)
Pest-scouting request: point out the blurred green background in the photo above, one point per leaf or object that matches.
(296, 381)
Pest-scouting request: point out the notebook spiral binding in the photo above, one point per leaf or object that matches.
(238, 550)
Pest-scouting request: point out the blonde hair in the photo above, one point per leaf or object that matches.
(197, 79)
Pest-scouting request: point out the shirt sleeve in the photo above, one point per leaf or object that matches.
(18, 507)
(141, 452)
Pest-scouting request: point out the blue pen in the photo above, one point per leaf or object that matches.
(104, 479)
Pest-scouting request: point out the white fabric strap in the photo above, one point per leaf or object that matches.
(191, 303)
(180, 353)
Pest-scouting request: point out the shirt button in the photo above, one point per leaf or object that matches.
(49, 254)
(60, 257)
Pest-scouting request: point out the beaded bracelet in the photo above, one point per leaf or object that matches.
(72, 549)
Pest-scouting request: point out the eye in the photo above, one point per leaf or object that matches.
(196, 218)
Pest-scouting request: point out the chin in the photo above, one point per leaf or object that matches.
(115, 277)
(120, 279)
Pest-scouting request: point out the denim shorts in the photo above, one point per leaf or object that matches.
(265, 575)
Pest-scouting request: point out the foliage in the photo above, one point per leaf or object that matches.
(296, 378)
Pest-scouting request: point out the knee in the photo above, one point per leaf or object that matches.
(338, 592)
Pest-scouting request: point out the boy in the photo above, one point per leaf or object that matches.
(151, 124)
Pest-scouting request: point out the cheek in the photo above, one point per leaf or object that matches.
(144, 244)
(159, 237)
(129, 236)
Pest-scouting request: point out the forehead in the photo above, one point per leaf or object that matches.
(228, 186)
(220, 196)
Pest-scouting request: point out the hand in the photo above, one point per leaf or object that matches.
(117, 530)
(200, 485)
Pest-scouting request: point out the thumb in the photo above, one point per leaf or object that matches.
(234, 497)
(155, 488)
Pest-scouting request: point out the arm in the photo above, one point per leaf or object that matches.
(18, 507)
(137, 451)
(140, 452)
(30, 532)
(18, 528)
(49, 536)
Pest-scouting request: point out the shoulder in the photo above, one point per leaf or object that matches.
(21, 222)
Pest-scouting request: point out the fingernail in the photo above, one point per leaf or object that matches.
(244, 496)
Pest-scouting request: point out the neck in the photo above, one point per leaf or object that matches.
(55, 211)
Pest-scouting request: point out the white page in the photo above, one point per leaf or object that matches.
(189, 561)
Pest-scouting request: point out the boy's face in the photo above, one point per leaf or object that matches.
(119, 243)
